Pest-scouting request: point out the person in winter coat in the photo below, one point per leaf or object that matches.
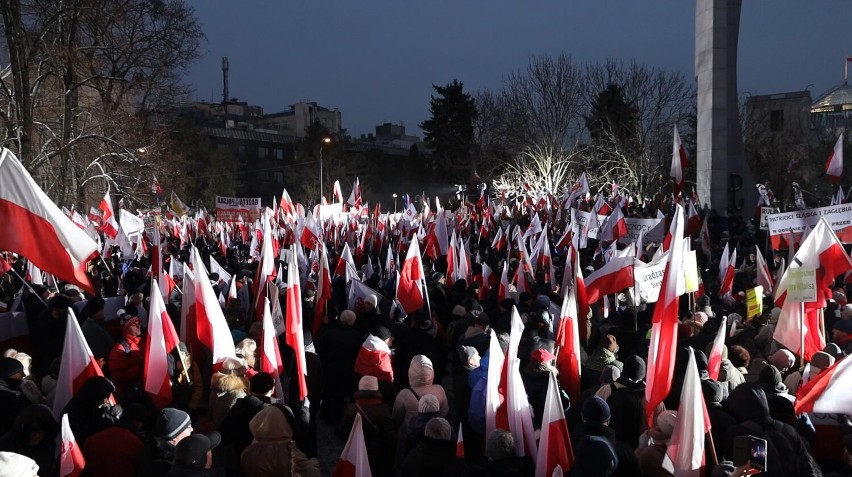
(379, 433)
(435, 455)
(412, 434)
(33, 434)
(228, 385)
(596, 418)
(337, 346)
(12, 398)
(650, 458)
(273, 453)
(127, 359)
(536, 378)
(605, 354)
(115, 451)
(626, 400)
(158, 452)
(787, 451)
(194, 457)
(374, 356)
(420, 377)
(90, 411)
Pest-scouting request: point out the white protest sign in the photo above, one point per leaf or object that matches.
(801, 284)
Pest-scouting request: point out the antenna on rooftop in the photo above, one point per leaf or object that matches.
(225, 93)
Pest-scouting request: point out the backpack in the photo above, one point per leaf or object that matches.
(783, 457)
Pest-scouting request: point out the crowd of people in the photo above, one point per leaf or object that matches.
(416, 380)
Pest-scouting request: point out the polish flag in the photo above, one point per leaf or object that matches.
(568, 345)
(4, 266)
(714, 362)
(76, 367)
(494, 398)
(834, 164)
(269, 354)
(410, 278)
(188, 329)
(355, 195)
(452, 260)
(460, 444)
(515, 413)
(554, 447)
(71, 460)
(685, 453)
(503, 292)
(211, 328)
(311, 232)
(727, 271)
(614, 276)
(830, 392)
(582, 297)
(162, 340)
(286, 206)
(266, 272)
(663, 346)
(822, 251)
(323, 288)
(353, 461)
(441, 233)
(764, 278)
(110, 225)
(463, 271)
(33, 226)
(337, 193)
(679, 162)
(499, 243)
(693, 221)
(346, 265)
(486, 278)
(615, 226)
(293, 331)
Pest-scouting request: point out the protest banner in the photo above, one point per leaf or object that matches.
(229, 209)
(801, 285)
(764, 212)
(754, 302)
(781, 225)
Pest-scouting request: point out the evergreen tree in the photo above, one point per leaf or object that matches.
(612, 119)
(449, 133)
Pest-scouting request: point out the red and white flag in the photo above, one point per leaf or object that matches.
(323, 288)
(679, 162)
(71, 460)
(823, 252)
(355, 195)
(830, 392)
(503, 292)
(286, 206)
(764, 278)
(109, 224)
(515, 413)
(77, 365)
(693, 221)
(408, 287)
(568, 345)
(452, 260)
(685, 453)
(493, 397)
(664, 324)
(727, 270)
(33, 226)
(353, 461)
(714, 362)
(613, 277)
(269, 354)
(460, 444)
(834, 163)
(211, 328)
(615, 226)
(346, 265)
(554, 446)
(162, 340)
(293, 328)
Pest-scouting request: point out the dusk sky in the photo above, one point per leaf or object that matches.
(377, 60)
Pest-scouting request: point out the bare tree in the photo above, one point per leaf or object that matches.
(539, 169)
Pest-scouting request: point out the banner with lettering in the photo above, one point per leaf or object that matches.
(229, 209)
(786, 224)
(654, 228)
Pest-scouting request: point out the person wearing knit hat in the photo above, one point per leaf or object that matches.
(126, 359)
(158, 454)
(421, 376)
(536, 375)
(603, 355)
(374, 356)
(772, 384)
(368, 383)
(195, 453)
(595, 457)
(595, 410)
(650, 458)
(412, 434)
(833, 350)
(783, 359)
(17, 465)
(435, 453)
(841, 333)
(380, 435)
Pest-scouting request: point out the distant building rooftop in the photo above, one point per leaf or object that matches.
(837, 99)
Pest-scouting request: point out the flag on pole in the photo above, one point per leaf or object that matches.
(679, 162)
(830, 392)
(109, 225)
(269, 353)
(515, 413)
(554, 447)
(568, 344)
(764, 278)
(685, 453)
(323, 288)
(61, 248)
(178, 205)
(77, 365)
(211, 328)
(353, 461)
(293, 328)
(714, 362)
(460, 444)
(162, 340)
(663, 346)
(834, 164)
(71, 461)
(408, 288)
(493, 396)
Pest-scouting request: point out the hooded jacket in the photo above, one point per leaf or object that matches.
(420, 378)
(374, 359)
(273, 452)
(227, 389)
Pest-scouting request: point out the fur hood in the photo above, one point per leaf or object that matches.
(223, 383)
(420, 372)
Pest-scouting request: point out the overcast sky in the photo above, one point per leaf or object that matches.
(376, 60)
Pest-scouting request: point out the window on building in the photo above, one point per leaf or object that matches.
(241, 151)
(279, 154)
(262, 152)
(220, 146)
(279, 177)
(776, 120)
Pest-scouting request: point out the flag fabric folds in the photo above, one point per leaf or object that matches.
(834, 163)
(830, 392)
(353, 461)
(62, 249)
(71, 460)
(554, 447)
(685, 453)
(293, 328)
(162, 340)
(77, 365)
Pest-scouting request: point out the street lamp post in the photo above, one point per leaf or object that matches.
(394, 202)
(325, 140)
